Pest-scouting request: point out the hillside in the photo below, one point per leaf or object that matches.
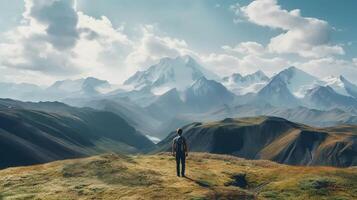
(272, 138)
(33, 133)
(209, 176)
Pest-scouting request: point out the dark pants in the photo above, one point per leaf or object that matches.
(180, 157)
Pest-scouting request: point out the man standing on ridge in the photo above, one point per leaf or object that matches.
(180, 151)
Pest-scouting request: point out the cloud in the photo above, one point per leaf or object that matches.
(59, 19)
(246, 48)
(307, 37)
(54, 39)
(151, 47)
(328, 66)
(226, 64)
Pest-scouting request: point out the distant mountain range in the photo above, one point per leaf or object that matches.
(58, 91)
(32, 133)
(272, 138)
(250, 83)
(23, 91)
(176, 91)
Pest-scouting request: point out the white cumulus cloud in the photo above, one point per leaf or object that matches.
(152, 47)
(54, 39)
(305, 36)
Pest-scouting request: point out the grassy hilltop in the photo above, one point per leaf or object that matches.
(209, 176)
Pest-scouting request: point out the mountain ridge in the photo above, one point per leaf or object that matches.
(274, 139)
(33, 133)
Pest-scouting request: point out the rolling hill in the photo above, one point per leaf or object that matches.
(209, 176)
(32, 133)
(272, 138)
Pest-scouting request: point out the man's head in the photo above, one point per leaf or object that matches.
(179, 131)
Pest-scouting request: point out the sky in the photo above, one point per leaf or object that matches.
(42, 41)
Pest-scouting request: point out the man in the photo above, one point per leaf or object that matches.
(180, 151)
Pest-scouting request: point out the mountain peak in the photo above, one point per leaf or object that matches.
(259, 73)
(344, 80)
(187, 58)
(250, 83)
(183, 59)
(341, 85)
(179, 72)
(321, 88)
(205, 94)
(293, 68)
(325, 97)
(202, 78)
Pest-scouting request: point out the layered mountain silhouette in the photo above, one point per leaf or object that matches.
(32, 133)
(273, 139)
(135, 115)
(312, 117)
(177, 91)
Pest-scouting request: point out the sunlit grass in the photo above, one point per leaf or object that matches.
(209, 176)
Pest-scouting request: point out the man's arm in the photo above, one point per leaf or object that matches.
(186, 147)
(173, 147)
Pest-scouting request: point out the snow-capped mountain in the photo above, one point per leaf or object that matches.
(325, 97)
(250, 83)
(298, 81)
(205, 94)
(287, 87)
(179, 73)
(341, 85)
(75, 88)
(277, 93)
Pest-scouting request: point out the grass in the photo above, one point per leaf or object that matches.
(209, 176)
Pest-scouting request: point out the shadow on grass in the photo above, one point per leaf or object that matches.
(201, 183)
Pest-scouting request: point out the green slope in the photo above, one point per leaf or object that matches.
(29, 134)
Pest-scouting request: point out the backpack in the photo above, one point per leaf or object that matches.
(180, 144)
